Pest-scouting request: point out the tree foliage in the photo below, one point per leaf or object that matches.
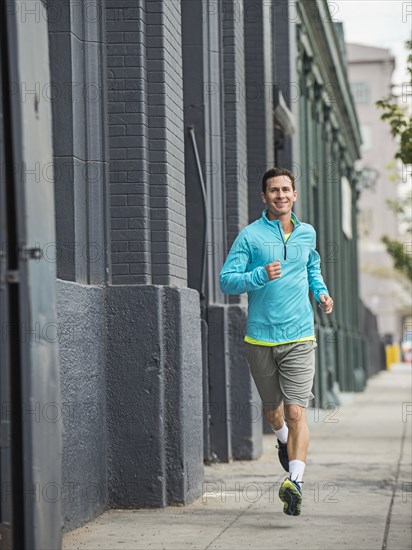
(400, 122)
(398, 117)
(402, 258)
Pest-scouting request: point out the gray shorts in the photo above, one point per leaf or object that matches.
(283, 373)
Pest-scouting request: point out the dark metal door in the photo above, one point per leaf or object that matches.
(31, 434)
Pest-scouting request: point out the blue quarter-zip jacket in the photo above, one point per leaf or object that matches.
(278, 310)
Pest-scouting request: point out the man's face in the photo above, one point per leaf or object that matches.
(279, 196)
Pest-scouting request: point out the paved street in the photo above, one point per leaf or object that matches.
(357, 490)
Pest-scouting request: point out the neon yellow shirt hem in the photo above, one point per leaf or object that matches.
(250, 340)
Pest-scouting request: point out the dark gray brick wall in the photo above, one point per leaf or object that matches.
(166, 134)
(235, 118)
(146, 142)
(281, 47)
(282, 77)
(260, 146)
(128, 141)
(195, 107)
(235, 123)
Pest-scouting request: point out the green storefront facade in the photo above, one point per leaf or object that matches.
(327, 146)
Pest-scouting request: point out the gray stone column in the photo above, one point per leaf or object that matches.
(154, 367)
(244, 406)
(219, 385)
(154, 370)
(78, 96)
(245, 403)
(215, 107)
(82, 354)
(77, 54)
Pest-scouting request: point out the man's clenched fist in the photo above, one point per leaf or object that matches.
(273, 270)
(326, 303)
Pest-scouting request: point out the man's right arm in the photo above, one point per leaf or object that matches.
(233, 277)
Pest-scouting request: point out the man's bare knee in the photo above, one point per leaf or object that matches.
(294, 414)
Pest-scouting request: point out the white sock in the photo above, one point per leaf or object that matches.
(282, 434)
(296, 469)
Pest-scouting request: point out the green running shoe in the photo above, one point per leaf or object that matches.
(291, 495)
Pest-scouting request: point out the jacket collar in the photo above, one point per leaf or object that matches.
(293, 216)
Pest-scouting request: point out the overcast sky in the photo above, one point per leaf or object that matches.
(381, 23)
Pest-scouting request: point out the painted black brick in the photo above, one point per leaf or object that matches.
(166, 132)
(259, 80)
(146, 136)
(235, 122)
(129, 154)
(281, 37)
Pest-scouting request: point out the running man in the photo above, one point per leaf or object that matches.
(275, 261)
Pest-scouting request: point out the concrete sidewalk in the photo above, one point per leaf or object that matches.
(356, 495)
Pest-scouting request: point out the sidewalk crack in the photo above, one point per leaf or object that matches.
(389, 516)
(232, 522)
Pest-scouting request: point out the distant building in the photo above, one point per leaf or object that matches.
(370, 71)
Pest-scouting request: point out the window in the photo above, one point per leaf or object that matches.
(346, 207)
(366, 134)
(361, 92)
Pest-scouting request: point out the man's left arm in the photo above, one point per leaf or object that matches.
(316, 282)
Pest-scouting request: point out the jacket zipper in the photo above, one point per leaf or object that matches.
(283, 240)
(284, 244)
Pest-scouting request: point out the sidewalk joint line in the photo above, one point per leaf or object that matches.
(395, 485)
(232, 522)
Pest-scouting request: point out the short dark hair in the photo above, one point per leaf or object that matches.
(273, 173)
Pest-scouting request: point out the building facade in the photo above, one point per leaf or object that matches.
(323, 156)
(370, 74)
(164, 117)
